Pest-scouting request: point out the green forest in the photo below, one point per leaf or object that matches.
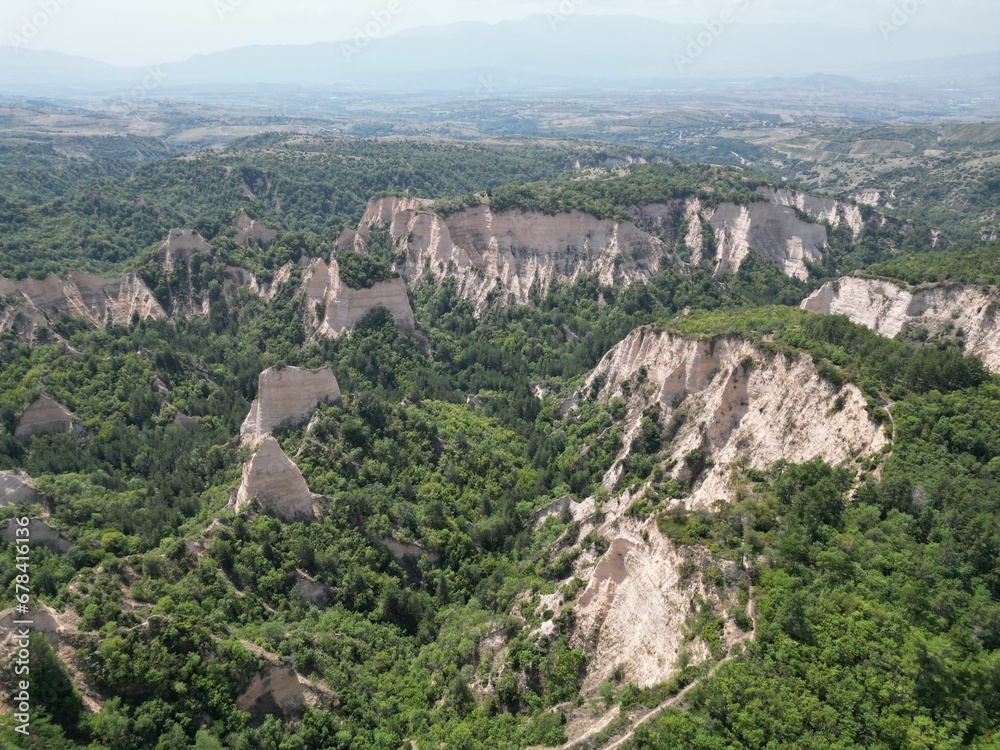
(876, 588)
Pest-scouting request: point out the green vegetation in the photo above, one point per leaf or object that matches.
(844, 351)
(608, 195)
(102, 215)
(364, 270)
(972, 264)
(877, 615)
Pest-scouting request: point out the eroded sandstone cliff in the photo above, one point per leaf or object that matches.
(285, 397)
(633, 616)
(334, 308)
(16, 486)
(249, 229)
(102, 301)
(889, 308)
(271, 477)
(44, 417)
(737, 402)
(512, 257)
(506, 257)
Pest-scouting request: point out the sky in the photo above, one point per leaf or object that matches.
(145, 32)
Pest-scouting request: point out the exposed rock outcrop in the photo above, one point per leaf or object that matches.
(61, 630)
(102, 301)
(249, 229)
(40, 534)
(18, 315)
(16, 486)
(504, 257)
(336, 308)
(888, 308)
(180, 245)
(281, 690)
(828, 210)
(271, 477)
(510, 257)
(774, 232)
(632, 616)
(312, 591)
(285, 397)
(44, 417)
(407, 553)
(738, 402)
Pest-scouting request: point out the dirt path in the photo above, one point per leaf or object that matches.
(596, 729)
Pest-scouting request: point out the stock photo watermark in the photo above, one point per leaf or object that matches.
(374, 29)
(224, 7)
(21, 659)
(563, 11)
(901, 15)
(33, 25)
(713, 31)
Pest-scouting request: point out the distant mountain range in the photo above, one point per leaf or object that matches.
(560, 52)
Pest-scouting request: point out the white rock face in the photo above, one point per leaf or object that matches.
(16, 486)
(20, 316)
(180, 245)
(869, 198)
(44, 417)
(286, 397)
(741, 403)
(249, 229)
(887, 308)
(102, 301)
(271, 477)
(632, 614)
(835, 213)
(280, 689)
(774, 232)
(504, 256)
(341, 308)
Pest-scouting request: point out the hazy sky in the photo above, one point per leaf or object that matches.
(142, 32)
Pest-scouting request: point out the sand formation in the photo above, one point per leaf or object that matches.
(335, 309)
(286, 397)
(889, 308)
(271, 477)
(738, 402)
(44, 417)
(15, 487)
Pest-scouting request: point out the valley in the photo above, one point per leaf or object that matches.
(658, 414)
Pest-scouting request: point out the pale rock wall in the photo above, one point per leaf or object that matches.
(502, 257)
(271, 477)
(250, 229)
(741, 403)
(830, 210)
(16, 486)
(21, 317)
(181, 244)
(286, 397)
(887, 308)
(102, 301)
(342, 307)
(280, 689)
(633, 613)
(773, 232)
(505, 255)
(43, 417)
(41, 534)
